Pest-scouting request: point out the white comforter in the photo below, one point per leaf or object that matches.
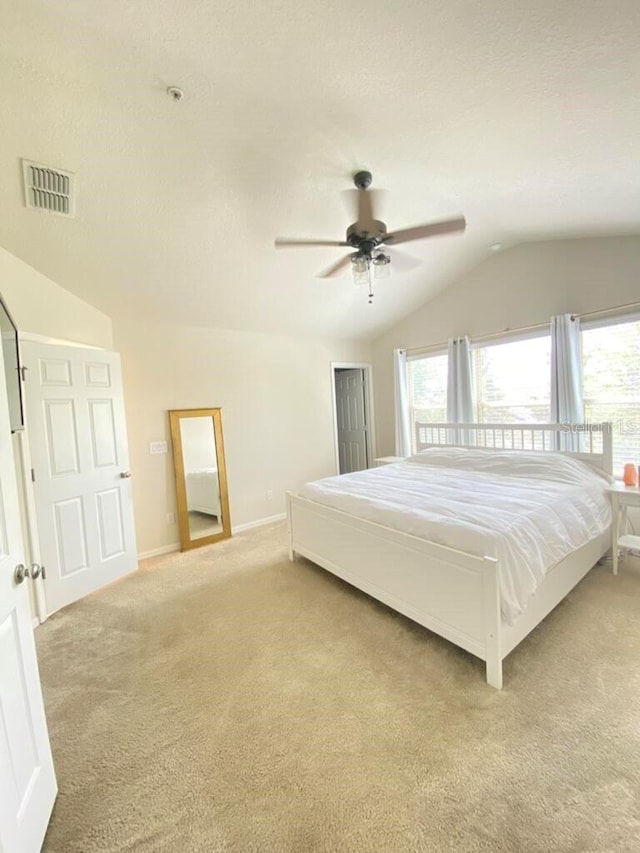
(528, 510)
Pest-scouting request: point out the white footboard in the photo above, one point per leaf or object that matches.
(452, 593)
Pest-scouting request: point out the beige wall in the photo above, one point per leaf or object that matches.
(519, 287)
(40, 306)
(275, 393)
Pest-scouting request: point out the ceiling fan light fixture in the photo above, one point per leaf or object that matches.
(360, 265)
(381, 265)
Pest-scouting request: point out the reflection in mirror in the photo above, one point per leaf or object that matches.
(200, 461)
(203, 507)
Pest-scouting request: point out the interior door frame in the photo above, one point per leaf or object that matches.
(31, 537)
(367, 368)
(42, 786)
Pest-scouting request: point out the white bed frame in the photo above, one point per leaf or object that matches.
(203, 496)
(450, 592)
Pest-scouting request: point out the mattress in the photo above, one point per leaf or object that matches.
(528, 510)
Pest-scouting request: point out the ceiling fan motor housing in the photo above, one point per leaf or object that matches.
(357, 238)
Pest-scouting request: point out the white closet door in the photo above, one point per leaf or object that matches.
(27, 780)
(78, 442)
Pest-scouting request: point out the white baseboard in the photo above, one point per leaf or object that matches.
(157, 552)
(240, 528)
(35, 622)
(259, 523)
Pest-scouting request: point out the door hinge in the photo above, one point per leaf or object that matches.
(23, 373)
(33, 476)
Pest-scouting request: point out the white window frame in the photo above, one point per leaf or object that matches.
(602, 323)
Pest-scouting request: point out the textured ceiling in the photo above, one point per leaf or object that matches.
(524, 116)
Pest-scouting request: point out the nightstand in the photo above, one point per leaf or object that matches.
(387, 460)
(622, 497)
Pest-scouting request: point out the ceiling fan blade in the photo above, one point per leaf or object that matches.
(402, 262)
(286, 243)
(335, 269)
(422, 231)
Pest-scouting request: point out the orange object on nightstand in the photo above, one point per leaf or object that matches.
(630, 476)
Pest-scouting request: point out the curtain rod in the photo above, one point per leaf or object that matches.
(604, 311)
(441, 345)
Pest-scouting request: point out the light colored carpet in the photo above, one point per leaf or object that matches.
(228, 700)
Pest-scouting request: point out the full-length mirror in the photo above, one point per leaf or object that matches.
(201, 478)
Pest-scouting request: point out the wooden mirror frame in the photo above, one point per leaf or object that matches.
(12, 367)
(175, 417)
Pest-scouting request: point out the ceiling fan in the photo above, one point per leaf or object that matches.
(369, 237)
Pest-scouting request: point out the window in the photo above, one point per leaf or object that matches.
(611, 377)
(513, 381)
(427, 380)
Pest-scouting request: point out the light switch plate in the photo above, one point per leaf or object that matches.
(157, 447)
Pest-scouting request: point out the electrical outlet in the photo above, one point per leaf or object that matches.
(171, 519)
(269, 495)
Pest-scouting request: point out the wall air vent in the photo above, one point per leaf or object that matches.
(50, 190)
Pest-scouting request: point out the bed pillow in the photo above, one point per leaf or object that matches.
(539, 465)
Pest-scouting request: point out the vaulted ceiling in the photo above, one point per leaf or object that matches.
(523, 116)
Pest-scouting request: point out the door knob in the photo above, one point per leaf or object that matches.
(21, 572)
(125, 474)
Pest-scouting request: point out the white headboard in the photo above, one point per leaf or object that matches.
(589, 442)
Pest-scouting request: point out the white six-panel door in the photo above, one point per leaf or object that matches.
(27, 779)
(79, 453)
(351, 420)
